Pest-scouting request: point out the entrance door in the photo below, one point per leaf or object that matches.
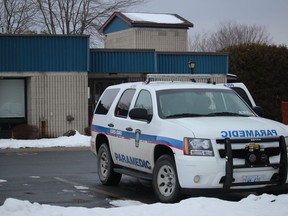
(12, 105)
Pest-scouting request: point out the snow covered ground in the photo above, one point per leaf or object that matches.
(264, 205)
(73, 141)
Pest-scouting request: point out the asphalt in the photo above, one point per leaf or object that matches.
(63, 177)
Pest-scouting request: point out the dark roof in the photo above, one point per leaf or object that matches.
(149, 20)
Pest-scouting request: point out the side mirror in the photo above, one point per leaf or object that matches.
(258, 110)
(140, 114)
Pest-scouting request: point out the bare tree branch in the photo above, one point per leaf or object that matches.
(78, 16)
(71, 17)
(16, 16)
(228, 34)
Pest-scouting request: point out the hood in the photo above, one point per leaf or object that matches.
(232, 127)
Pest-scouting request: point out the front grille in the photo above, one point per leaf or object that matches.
(255, 155)
(242, 153)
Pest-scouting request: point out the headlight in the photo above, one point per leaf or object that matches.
(198, 147)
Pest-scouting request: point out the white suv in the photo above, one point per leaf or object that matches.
(186, 136)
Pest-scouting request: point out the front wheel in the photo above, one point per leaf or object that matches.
(105, 167)
(165, 181)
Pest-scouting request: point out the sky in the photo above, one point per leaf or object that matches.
(251, 205)
(207, 15)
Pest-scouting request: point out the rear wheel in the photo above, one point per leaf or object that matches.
(105, 167)
(165, 181)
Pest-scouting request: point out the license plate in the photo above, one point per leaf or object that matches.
(248, 179)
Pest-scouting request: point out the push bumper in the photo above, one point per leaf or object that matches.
(280, 177)
(224, 176)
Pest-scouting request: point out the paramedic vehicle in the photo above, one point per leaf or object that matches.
(186, 136)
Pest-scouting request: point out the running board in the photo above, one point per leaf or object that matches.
(133, 173)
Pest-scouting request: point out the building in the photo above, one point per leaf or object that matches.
(140, 43)
(162, 32)
(53, 81)
(113, 66)
(44, 82)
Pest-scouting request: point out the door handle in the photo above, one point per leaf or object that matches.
(110, 125)
(129, 129)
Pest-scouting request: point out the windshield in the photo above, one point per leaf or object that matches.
(201, 102)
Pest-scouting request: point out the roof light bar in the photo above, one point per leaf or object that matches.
(202, 78)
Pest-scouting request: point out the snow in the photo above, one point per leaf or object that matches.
(35, 177)
(253, 205)
(263, 205)
(77, 140)
(79, 187)
(154, 18)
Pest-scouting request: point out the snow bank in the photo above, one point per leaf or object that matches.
(77, 140)
(264, 205)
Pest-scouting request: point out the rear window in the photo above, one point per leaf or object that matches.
(106, 101)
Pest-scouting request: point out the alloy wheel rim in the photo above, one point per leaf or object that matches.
(104, 164)
(166, 180)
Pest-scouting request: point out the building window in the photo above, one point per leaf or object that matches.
(12, 98)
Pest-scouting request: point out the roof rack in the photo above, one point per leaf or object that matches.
(202, 78)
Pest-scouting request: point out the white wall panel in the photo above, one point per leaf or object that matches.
(160, 39)
(52, 97)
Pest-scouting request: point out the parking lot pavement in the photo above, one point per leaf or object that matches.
(64, 177)
(68, 177)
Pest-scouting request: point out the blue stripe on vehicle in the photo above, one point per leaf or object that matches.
(147, 137)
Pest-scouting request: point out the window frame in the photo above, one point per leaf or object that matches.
(117, 110)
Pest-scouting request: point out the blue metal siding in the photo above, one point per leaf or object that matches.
(40, 53)
(44, 53)
(206, 63)
(115, 25)
(121, 61)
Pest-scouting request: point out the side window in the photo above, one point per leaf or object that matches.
(124, 103)
(144, 100)
(243, 94)
(106, 101)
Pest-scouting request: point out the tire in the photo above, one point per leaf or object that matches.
(105, 167)
(165, 180)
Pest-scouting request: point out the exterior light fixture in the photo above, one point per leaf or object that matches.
(191, 66)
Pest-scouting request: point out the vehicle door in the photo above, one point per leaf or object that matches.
(141, 146)
(120, 131)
